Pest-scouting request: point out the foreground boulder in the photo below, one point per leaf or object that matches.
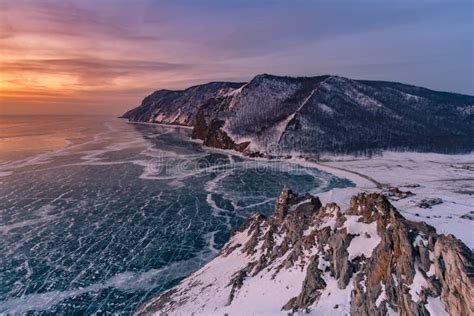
(305, 257)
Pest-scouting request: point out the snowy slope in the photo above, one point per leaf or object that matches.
(178, 107)
(309, 258)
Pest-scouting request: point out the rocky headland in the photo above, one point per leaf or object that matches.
(318, 259)
(280, 116)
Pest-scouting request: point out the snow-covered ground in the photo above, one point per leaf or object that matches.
(427, 175)
(249, 278)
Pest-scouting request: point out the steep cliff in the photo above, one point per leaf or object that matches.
(305, 257)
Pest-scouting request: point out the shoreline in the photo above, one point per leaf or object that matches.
(360, 180)
(426, 175)
(160, 124)
(404, 170)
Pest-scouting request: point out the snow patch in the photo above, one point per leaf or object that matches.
(435, 307)
(366, 238)
(333, 300)
(382, 296)
(326, 109)
(419, 282)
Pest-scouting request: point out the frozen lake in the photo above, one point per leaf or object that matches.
(98, 215)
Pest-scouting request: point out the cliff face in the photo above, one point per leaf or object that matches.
(212, 134)
(305, 257)
(284, 115)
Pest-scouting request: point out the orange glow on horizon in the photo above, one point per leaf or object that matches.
(91, 56)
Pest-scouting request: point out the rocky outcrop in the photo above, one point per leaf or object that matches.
(212, 134)
(454, 268)
(278, 116)
(428, 203)
(200, 126)
(366, 260)
(395, 193)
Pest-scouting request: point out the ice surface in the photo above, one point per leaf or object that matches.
(123, 213)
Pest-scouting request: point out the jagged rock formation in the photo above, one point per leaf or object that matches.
(275, 115)
(305, 257)
(212, 134)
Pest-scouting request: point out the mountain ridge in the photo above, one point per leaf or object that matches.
(280, 115)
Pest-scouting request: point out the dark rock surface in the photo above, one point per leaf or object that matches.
(428, 203)
(469, 216)
(394, 193)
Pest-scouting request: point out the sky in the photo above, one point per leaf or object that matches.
(105, 56)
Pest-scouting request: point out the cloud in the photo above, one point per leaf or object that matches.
(69, 18)
(115, 51)
(91, 71)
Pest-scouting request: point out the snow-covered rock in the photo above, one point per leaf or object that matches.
(305, 257)
(178, 107)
